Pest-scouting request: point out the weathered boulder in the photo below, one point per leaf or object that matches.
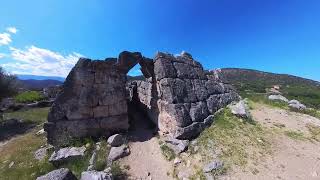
(59, 174)
(95, 175)
(278, 97)
(67, 154)
(116, 140)
(117, 153)
(240, 109)
(295, 104)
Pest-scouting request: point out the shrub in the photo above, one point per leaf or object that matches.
(8, 84)
(29, 96)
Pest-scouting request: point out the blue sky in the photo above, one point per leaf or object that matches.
(48, 36)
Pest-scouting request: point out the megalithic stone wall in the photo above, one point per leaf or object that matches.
(93, 101)
(187, 96)
(178, 96)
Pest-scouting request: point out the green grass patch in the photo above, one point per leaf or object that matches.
(234, 137)
(118, 173)
(101, 160)
(35, 115)
(308, 95)
(294, 135)
(262, 98)
(314, 131)
(29, 96)
(20, 151)
(309, 111)
(79, 165)
(167, 152)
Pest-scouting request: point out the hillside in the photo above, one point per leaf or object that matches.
(33, 84)
(293, 87)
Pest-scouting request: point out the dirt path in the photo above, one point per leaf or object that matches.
(291, 158)
(145, 160)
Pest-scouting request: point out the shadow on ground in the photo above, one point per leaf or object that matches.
(12, 127)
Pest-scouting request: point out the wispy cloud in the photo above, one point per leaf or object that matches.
(12, 30)
(39, 61)
(5, 39)
(2, 55)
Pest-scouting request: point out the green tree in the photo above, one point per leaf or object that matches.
(8, 84)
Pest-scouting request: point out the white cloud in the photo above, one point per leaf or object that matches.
(5, 39)
(12, 30)
(38, 61)
(2, 55)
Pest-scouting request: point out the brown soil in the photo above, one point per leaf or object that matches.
(145, 160)
(291, 158)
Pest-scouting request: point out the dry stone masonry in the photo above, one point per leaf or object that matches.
(177, 95)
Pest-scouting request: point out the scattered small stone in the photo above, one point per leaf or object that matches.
(59, 174)
(259, 140)
(95, 175)
(66, 154)
(117, 153)
(177, 161)
(40, 132)
(11, 164)
(212, 166)
(278, 97)
(116, 140)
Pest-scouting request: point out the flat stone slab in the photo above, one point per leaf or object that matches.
(58, 174)
(178, 146)
(95, 175)
(67, 154)
(117, 153)
(116, 140)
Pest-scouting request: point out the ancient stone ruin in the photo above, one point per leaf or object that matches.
(177, 95)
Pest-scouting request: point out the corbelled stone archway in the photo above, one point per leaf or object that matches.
(177, 95)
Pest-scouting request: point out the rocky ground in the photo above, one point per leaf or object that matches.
(280, 141)
(295, 153)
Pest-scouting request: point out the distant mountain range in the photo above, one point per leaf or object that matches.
(33, 82)
(35, 77)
